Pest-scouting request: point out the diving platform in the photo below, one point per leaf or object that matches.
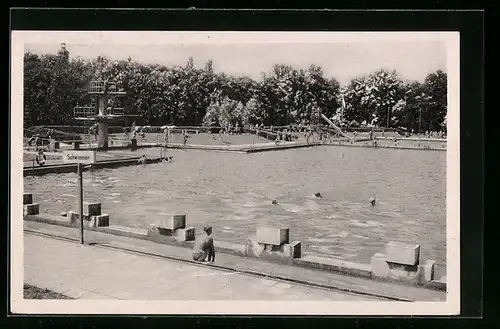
(102, 110)
(100, 87)
(89, 113)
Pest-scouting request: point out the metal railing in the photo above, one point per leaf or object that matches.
(84, 112)
(89, 111)
(117, 111)
(99, 86)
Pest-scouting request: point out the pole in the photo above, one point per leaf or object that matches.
(80, 198)
(388, 116)
(342, 110)
(419, 119)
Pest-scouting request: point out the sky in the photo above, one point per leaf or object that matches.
(343, 61)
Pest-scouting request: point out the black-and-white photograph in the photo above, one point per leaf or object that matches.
(281, 173)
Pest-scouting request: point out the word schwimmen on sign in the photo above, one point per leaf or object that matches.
(80, 156)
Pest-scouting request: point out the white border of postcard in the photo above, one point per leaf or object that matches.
(19, 305)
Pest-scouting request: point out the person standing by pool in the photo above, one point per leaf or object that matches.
(143, 159)
(165, 136)
(33, 141)
(94, 130)
(221, 135)
(204, 246)
(185, 136)
(309, 134)
(41, 158)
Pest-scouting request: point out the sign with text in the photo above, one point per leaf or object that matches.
(79, 156)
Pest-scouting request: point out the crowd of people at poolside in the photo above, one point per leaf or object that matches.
(280, 134)
(435, 134)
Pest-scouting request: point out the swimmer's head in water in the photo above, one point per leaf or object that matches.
(372, 201)
(275, 202)
(318, 195)
(207, 229)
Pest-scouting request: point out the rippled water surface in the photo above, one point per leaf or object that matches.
(233, 193)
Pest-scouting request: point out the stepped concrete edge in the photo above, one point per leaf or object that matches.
(306, 261)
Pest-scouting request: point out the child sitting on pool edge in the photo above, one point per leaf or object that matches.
(204, 249)
(40, 157)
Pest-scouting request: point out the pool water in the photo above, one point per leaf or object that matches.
(234, 193)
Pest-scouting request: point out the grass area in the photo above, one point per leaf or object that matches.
(32, 292)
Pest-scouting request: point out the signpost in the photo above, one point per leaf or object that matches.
(81, 157)
(80, 198)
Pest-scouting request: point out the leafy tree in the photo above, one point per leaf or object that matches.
(186, 95)
(376, 99)
(435, 87)
(225, 113)
(53, 87)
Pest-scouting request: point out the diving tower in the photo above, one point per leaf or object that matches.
(101, 110)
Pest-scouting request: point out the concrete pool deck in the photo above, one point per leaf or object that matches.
(59, 167)
(241, 148)
(83, 272)
(255, 267)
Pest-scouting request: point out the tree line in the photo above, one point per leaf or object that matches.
(187, 95)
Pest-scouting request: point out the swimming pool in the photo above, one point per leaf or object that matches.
(234, 193)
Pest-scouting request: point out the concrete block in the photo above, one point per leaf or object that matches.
(54, 145)
(160, 230)
(283, 254)
(379, 266)
(402, 272)
(91, 209)
(185, 234)
(293, 249)
(155, 230)
(438, 284)
(272, 235)
(175, 222)
(163, 231)
(99, 221)
(31, 209)
(27, 198)
(73, 218)
(253, 248)
(402, 253)
(428, 270)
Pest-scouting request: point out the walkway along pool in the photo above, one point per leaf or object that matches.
(234, 193)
